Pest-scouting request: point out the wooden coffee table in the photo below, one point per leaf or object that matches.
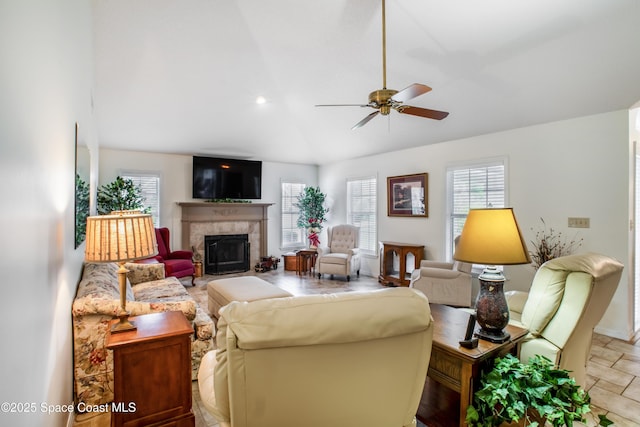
(455, 367)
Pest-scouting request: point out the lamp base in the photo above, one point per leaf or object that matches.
(123, 324)
(496, 337)
(492, 311)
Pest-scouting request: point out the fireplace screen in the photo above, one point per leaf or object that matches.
(226, 253)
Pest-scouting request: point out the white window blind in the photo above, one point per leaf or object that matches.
(473, 187)
(361, 211)
(149, 183)
(291, 236)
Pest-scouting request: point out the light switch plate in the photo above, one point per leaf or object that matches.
(579, 222)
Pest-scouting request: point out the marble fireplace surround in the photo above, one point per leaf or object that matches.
(201, 219)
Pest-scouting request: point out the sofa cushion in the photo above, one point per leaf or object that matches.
(165, 295)
(335, 258)
(304, 320)
(144, 272)
(100, 280)
(544, 299)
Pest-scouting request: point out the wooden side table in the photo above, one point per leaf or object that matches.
(152, 372)
(387, 274)
(306, 261)
(456, 368)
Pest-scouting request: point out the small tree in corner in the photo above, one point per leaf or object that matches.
(120, 195)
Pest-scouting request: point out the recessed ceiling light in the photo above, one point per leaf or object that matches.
(261, 100)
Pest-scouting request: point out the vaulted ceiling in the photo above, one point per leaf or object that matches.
(182, 76)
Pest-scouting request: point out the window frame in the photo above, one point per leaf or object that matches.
(136, 174)
(283, 204)
(372, 229)
(450, 194)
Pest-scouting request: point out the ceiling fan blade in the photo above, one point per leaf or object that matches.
(365, 120)
(423, 112)
(342, 105)
(411, 92)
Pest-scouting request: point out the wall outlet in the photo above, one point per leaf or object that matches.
(579, 222)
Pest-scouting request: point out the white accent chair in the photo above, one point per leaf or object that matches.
(567, 299)
(341, 255)
(308, 360)
(444, 282)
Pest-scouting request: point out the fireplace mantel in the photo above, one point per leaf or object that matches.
(198, 215)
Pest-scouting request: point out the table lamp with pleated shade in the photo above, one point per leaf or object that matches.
(121, 237)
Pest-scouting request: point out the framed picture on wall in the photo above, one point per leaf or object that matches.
(407, 195)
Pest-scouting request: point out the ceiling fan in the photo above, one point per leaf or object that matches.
(384, 100)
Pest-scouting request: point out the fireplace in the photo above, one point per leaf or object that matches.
(226, 253)
(209, 219)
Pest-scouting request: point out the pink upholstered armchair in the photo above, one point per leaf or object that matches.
(177, 263)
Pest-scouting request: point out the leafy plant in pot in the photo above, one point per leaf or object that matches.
(120, 195)
(312, 213)
(529, 394)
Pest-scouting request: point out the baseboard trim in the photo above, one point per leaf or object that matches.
(613, 333)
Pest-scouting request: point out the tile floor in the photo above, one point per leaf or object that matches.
(613, 368)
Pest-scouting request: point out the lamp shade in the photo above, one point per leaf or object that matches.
(120, 236)
(492, 236)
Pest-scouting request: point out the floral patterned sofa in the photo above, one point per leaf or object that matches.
(96, 302)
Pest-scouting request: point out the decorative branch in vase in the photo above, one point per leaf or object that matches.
(549, 244)
(312, 213)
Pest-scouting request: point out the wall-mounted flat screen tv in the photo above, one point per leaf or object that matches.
(218, 178)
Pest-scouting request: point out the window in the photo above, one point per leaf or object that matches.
(291, 236)
(361, 211)
(149, 183)
(471, 187)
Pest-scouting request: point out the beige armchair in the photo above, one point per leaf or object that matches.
(444, 282)
(567, 299)
(308, 361)
(341, 255)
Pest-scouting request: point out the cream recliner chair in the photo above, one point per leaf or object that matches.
(444, 282)
(567, 299)
(339, 360)
(341, 255)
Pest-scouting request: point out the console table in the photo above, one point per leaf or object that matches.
(152, 371)
(387, 250)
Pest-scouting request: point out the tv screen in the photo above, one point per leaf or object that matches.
(218, 178)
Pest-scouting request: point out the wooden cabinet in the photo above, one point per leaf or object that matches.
(152, 372)
(388, 251)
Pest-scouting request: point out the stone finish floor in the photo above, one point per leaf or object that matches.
(613, 368)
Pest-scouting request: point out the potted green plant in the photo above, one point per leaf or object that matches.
(120, 195)
(530, 394)
(312, 213)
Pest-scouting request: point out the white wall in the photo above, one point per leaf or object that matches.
(175, 171)
(45, 82)
(570, 168)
